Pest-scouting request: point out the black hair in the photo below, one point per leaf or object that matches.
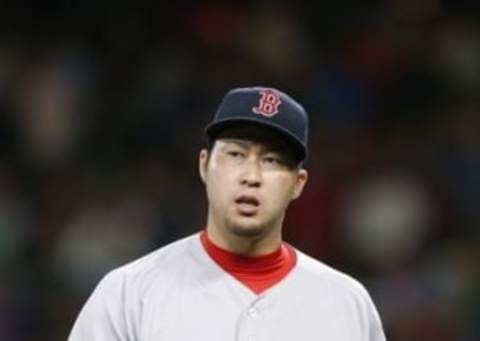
(209, 143)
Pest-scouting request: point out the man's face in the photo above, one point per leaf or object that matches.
(250, 177)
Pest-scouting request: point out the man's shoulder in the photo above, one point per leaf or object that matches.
(328, 287)
(158, 263)
(173, 252)
(321, 274)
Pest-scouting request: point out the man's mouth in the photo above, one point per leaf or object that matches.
(248, 200)
(247, 205)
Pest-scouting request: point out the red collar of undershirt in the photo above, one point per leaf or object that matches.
(258, 273)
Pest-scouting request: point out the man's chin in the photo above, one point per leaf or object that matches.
(248, 230)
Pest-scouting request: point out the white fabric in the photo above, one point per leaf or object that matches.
(178, 293)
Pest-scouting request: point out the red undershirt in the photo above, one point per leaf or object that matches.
(257, 273)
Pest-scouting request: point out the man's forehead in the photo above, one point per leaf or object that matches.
(252, 133)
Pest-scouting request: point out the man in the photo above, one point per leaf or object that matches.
(236, 280)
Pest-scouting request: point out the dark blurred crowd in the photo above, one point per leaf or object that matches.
(102, 109)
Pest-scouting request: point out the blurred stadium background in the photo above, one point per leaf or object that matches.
(102, 108)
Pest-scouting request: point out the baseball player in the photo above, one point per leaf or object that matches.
(236, 279)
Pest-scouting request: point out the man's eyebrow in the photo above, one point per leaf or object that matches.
(232, 140)
(277, 147)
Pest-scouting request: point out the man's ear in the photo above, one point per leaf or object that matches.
(203, 163)
(301, 180)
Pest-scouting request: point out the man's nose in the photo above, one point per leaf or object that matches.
(251, 175)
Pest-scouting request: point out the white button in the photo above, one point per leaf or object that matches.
(252, 311)
(252, 338)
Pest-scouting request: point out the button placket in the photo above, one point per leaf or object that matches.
(253, 325)
(252, 312)
(253, 315)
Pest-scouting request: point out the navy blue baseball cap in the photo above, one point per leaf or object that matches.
(266, 107)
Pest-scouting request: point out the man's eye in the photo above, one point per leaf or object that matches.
(234, 154)
(273, 160)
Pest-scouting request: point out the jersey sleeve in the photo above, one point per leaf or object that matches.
(104, 315)
(375, 331)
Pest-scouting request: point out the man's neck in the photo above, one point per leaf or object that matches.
(244, 245)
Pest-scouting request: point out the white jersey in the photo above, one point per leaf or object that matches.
(178, 293)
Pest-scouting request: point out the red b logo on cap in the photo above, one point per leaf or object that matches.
(268, 105)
